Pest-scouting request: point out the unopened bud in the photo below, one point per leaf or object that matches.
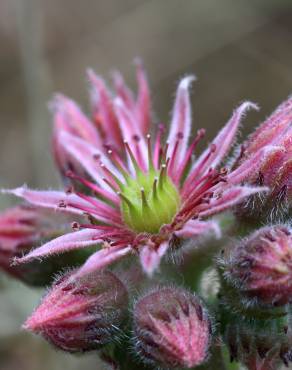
(259, 269)
(83, 313)
(172, 328)
(275, 169)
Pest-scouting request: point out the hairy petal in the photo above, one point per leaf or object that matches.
(271, 131)
(123, 92)
(69, 117)
(103, 258)
(132, 132)
(224, 139)
(150, 257)
(89, 157)
(64, 243)
(229, 198)
(143, 103)
(57, 200)
(103, 107)
(181, 118)
(194, 228)
(251, 165)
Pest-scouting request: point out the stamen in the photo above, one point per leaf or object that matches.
(75, 226)
(62, 204)
(174, 152)
(157, 147)
(161, 176)
(163, 154)
(110, 174)
(95, 188)
(133, 159)
(200, 134)
(150, 159)
(197, 170)
(116, 159)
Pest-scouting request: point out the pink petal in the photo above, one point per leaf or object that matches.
(103, 258)
(251, 166)
(64, 243)
(89, 157)
(181, 118)
(224, 140)
(132, 132)
(123, 92)
(150, 258)
(229, 198)
(69, 117)
(197, 228)
(271, 131)
(103, 107)
(50, 199)
(143, 104)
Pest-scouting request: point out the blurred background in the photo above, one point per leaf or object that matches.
(239, 49)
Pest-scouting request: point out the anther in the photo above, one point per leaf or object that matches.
(62, 204)
(75, 226)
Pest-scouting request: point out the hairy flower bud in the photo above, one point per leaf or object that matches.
(81, 314)
(172, 328)
(259, 269)
(275, 169)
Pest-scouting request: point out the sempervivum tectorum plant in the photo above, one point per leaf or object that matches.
(260, 267)
(143, 190)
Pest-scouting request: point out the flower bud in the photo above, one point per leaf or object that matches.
(275, 169)
(172, 328)
(81, 313)
(259, 269)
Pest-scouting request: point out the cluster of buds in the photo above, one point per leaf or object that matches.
(275, 170)
(129, 193)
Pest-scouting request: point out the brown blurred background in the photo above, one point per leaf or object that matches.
(239, 49)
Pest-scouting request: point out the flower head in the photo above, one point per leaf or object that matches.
(172, 328)
(260, 268)
(143, 190)
(276, 169)
(81, 314)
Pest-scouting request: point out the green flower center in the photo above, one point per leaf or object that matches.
(149, 201)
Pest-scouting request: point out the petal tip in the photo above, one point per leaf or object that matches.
(187, 81)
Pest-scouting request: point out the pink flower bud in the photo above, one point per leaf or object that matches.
(260, 267)
(81, 314)
(275, 169)
(172, 328)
